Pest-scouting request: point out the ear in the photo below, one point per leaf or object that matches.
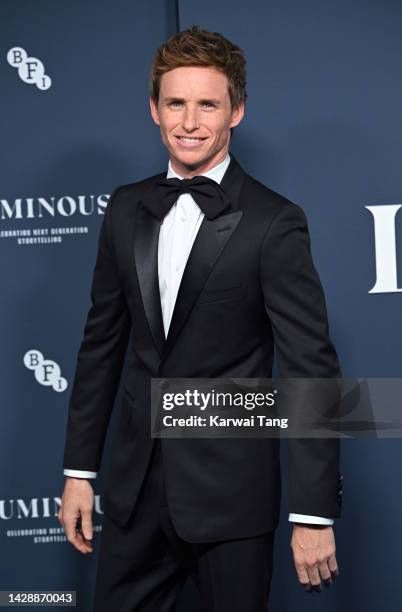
(154, 111)
(237, 115)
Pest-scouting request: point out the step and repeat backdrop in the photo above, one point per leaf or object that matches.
(322, 127)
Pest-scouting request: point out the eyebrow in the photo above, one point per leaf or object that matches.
(202, 101)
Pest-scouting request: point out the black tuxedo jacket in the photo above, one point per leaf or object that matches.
(249, 284)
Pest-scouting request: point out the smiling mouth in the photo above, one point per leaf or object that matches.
(190, 140)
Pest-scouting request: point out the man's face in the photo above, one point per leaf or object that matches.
(195, 116)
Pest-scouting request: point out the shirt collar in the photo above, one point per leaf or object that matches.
(216, 173)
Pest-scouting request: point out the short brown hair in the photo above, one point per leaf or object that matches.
(198, 47)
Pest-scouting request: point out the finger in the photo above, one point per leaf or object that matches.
(324, 571)
(314, 576)
(85, 545)
(74, 536)
(333, 566)
(86, 525)
(302, 575)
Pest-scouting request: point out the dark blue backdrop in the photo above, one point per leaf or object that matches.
(322, 126)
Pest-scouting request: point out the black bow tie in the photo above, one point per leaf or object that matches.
(208, 194)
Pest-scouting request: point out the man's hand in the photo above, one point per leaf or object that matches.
(313, 549)
(75, 513)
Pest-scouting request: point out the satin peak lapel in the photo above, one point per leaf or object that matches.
(146, 237)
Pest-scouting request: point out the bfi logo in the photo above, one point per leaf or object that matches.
(46, 371)
(30, 69)
(385, 248)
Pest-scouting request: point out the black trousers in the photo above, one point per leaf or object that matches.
(143, 566)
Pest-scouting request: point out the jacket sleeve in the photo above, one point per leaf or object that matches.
(295, 303)
(100, 357)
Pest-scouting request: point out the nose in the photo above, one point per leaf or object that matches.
(190, 119)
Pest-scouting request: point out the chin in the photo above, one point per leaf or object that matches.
(190, 159)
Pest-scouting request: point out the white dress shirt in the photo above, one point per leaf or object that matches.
(177, 234)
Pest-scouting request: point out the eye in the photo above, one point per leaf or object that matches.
(174, 104)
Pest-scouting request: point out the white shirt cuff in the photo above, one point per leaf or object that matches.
(313, 520)
(80, 473)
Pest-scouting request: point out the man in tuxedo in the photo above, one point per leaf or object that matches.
(200, 272)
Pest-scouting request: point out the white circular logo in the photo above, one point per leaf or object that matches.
(30, 69)
(46, 371)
